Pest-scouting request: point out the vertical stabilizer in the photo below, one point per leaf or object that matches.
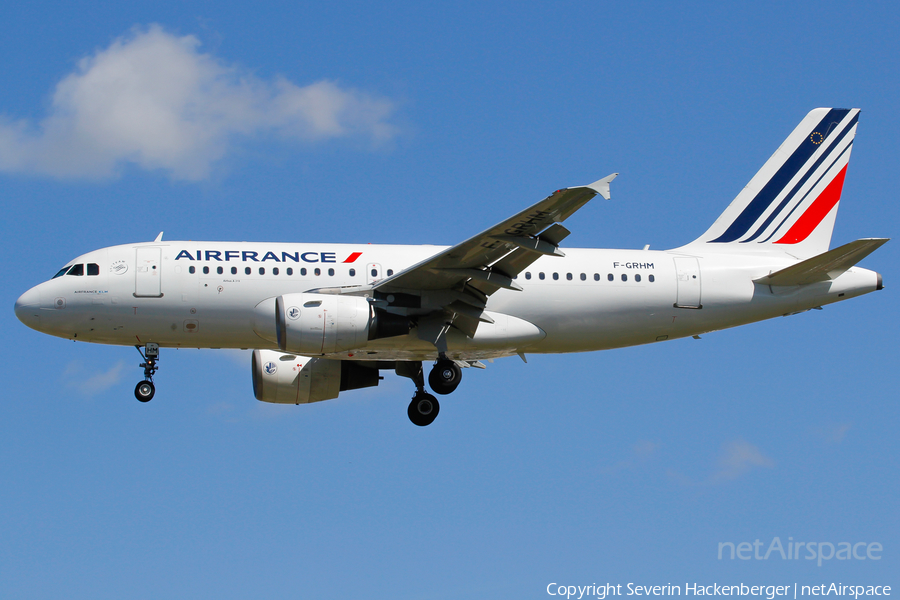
(790, 205)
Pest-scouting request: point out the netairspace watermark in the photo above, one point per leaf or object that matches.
(797, 550)
(770, 592)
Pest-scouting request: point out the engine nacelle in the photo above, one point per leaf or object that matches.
(315, 324)
(294, 379)
(322, 323)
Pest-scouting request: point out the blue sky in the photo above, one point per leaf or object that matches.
(426, 123)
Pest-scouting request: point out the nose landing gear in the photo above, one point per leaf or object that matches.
(145, 389)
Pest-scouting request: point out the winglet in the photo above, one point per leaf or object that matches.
(601, 186)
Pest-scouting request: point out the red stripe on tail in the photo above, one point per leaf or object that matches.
(822, 205)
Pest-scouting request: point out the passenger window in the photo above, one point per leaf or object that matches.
(76, 270)
(527, 275)
(555, 276)
(303, 271)
(541, 276)
(275, 271)
(651, 278)
(596, 276)
(247, 270)
(569, 276)
(352, 272)
(624, 277)
(390, 272)
(318, 271)
(610, 277)
(331, 272)
(220, 270)
(262, 270)
(93, 269)
(206, 270)
(192, 269)
(637, 278)
(234, 270)
(583, 277)
(290, 271)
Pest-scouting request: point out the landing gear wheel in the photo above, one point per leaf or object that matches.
(444, 377)
(144, 391)
(423, 409)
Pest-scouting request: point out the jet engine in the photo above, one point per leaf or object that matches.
(315, 324)
(321, 323)
(293, 379)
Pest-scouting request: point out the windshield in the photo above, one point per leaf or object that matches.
(61, 272)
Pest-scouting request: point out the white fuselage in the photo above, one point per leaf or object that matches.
(206, 294)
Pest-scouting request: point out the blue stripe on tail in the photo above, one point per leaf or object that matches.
(800, 183)
(782, 177)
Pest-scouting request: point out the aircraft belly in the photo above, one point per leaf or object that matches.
(585, 317)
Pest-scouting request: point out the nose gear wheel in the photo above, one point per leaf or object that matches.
(145, 390)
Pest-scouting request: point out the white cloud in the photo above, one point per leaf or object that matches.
(91, 385)
(641, 452)
(836, 433)
(737, 458)
(154, 100)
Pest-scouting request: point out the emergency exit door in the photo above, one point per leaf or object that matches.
(373, 273)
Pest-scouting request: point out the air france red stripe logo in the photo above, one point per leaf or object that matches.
(822, 205)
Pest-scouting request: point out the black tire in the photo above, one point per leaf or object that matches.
(423, 409)
(444, 377)
(144, 391)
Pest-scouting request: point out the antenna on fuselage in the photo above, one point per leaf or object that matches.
(159, 237)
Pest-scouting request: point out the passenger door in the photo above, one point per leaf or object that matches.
(687, 272)
(148, 272)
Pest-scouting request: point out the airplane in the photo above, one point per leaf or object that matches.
(327, 318)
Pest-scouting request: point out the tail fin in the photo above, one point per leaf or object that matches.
(790, 205)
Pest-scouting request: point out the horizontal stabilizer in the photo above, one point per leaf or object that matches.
(826, 266)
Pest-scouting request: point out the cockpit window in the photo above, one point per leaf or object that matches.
(62, 272)
(77, 270)
(93, 269)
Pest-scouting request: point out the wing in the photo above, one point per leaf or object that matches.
(451, 288)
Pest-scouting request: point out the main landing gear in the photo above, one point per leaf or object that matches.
(145, 389)
(443, 379)
(423, 409)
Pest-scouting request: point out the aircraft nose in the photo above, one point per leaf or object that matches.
(28, 306)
